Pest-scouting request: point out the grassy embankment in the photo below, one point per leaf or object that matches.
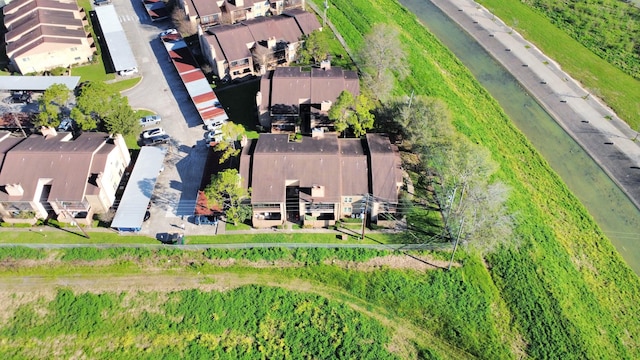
(619, 90)
(419, 308)
(569, 292)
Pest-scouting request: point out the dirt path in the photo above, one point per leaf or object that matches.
(15, 290)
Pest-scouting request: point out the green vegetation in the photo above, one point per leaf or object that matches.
(72, 236)
(566, 286)
(245, 323)
(461, 304)
(226, 191)
(619, 90)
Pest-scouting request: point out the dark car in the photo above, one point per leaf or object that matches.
(102, 2)
(171, 238)
(206, 220)
(161, 139)
(21, 97)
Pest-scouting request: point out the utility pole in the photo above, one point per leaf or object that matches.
(455, 245)
(364, 214)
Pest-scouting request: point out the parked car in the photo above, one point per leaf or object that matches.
(66, 124)
(153, 132)
(102, 2)
(150, 120)
(128, 72)
(214, 125)
(161, 139)
(168, 32)
(214, 135)
(206, 220)
(171, 238)
(21, 97)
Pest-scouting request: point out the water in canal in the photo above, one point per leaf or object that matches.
(610, 207)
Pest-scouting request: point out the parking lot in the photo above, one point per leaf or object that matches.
(162, 92)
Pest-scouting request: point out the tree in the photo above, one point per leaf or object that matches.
(120, 119)
(105, 108)
(52, 104)
(315, 48)
(230, 133)
(182, 22)
(226, 191)
(473, 209)
(354, 113)
(425, 122)
(381, 57)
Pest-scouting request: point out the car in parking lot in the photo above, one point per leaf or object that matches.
(101, 2)
(213, 135)
(150, 120)
(206, 220)
(168, 32)
(161, 139)
(153, 132)
(128, 72)
(21, 97)
(66, 124)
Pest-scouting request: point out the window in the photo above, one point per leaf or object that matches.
(74, 49)
(348, 199)
(77, 58)
(25, 59)
(347, 210)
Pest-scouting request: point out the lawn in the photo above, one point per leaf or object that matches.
(69, 235)
(279, 236)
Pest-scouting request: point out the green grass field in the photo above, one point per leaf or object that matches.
(572, 286)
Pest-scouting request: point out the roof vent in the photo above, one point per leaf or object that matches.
(48, 131)
(14, 189)
(317, 191)
(317, 133)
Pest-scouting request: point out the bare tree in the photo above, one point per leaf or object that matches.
(381, 57)
(182, 23)
(262, 56)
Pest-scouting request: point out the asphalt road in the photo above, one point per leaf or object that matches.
(162, 92)
(598, 130)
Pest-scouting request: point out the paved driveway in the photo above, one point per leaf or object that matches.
(162, 91)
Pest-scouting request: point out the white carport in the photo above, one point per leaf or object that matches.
(116, 39)
(137, 194)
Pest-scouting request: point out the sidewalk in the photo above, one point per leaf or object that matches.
(594, 126)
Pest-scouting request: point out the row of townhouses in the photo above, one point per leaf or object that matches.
(316, 180)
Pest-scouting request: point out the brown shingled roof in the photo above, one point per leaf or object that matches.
(343, 166)
(307, 22)
(44, 16)
(66, 163)
(290, 86)
(233, 40)
(205, 7)
(385, 167)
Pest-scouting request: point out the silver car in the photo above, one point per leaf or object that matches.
(153, 132)
(150, 120)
